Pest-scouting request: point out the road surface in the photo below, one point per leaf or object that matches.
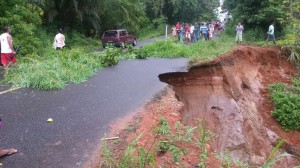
(81, 113)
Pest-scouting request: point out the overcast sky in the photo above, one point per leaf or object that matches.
(221, 15)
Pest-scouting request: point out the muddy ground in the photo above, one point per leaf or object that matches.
(230, 95)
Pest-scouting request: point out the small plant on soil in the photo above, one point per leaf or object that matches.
(204, 136)
(226, 160)
(163, 128)
(168, 141)
(286, 99)
(131, 157)
(168, 138)
(273, 158)
(111, 56)
(183, 133)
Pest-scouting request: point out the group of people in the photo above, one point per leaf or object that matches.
(192, 32)
(240, 28)
(8, 53)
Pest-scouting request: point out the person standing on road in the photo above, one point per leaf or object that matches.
(192, 29)
(196, 32)
(59, 40)
(239, 33)
(174, 31)
(211, 30)
(177, 26)
(7, 49)
(204, 31)
(188, 33)
(181, 33)
(271, 35)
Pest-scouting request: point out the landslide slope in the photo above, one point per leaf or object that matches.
(230, 93)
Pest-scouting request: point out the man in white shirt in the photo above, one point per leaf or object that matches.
(7, 50)
(59, 40)
(271, 35)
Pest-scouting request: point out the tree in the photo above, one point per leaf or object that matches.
(23, 21)
(128, 14)
(182, 10)
(254, 13)
(71, 13)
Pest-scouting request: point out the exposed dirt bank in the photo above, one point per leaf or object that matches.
(231, 94)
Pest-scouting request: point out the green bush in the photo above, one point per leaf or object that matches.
(230, 28)
(254, 35)
(76, 39)
(154, 29)
(23, 24)
(111, 56)
(286, 99)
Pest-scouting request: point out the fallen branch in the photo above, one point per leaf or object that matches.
(112, 138)
(10, 90)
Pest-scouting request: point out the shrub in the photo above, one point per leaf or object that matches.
(254, 35)
(23, 24)
(110, 56)
(286, 99)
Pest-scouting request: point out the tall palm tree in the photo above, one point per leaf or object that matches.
(71, 12)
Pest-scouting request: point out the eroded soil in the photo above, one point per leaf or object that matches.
(230, 94)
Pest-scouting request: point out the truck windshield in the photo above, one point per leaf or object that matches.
(111, 34)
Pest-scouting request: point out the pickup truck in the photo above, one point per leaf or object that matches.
(118, 38)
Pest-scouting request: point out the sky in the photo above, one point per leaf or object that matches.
(221, 15)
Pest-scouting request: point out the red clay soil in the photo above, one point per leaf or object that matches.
(236, 81)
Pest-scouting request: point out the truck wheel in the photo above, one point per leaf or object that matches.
(134, 42)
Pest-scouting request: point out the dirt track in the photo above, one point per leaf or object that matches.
(230, 94)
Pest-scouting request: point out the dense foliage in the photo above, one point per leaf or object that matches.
(87, 15)
(182, 10)
(286, 99)
(255, 13)
(23, 21)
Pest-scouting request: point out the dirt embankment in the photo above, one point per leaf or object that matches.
(231, 94)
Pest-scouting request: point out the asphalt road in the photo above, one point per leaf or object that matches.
(81, 113)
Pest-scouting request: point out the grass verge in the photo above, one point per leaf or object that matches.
(203, 50)
(55, 69)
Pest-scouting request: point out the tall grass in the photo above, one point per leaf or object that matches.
(55, 69)
(203, 50)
